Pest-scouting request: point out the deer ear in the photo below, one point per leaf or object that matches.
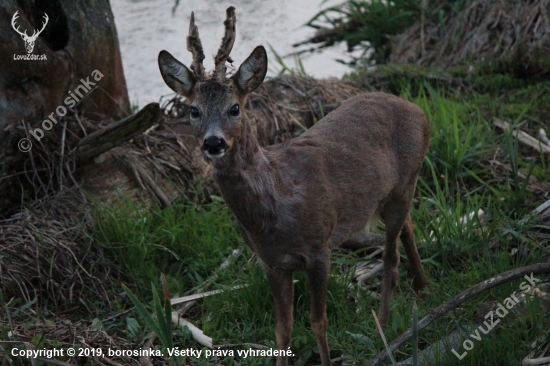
(252, 71)
(176, 75)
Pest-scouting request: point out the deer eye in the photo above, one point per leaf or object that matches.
(234, 111)
(195, 112)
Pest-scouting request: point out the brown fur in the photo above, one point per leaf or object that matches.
(298, 200)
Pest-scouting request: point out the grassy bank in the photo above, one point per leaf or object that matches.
(473, 220)
(473, 216)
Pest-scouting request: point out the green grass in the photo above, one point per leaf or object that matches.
(283, 68)
(184, 241)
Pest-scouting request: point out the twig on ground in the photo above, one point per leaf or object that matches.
(197, 333)
(535, 361)
(62, 154)
(111, 362)
(184, 299)
(523, 137)
(383, 337)
(118, 314)
(211, 279)
(540, 209)
(365, 276)
(542, 136)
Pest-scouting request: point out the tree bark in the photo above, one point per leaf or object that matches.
(80, 71)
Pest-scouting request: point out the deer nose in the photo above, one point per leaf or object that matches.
(214, 145)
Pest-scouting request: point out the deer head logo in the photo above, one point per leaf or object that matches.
(29, 40)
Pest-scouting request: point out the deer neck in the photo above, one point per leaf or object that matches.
(246, 156)
(247, 180)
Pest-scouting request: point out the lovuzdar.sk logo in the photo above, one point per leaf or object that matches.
(29, 40)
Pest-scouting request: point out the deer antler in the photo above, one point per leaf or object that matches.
(25, 36)
(35, 34)
(13, 19)
(195, 47)
(227, 44)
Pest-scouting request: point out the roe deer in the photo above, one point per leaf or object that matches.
(298, 200)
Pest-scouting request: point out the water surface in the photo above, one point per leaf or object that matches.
(145, 27)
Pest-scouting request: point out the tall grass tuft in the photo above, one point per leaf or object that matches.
(184, 241)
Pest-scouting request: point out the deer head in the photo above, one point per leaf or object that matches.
(216, 101)
(29, 40)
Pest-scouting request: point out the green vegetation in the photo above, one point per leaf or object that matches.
(472, 214)
(184, 241)
(372, 21)
(283, 68)
(371, 24)
(161, 323)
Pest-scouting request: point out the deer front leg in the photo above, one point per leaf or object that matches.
(318, 278)
(283, 293)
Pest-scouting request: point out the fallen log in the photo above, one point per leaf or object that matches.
(117, 133)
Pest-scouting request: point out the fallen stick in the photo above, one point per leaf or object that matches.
(535, 361)
(440, 350)
(111, 362)
(197, 334)
(381, 332)
(539, 268)
(117, 133)
(539, 210)
(373, 271)
(523, 137)
(542, 136)
(189, 304)
(196, 296)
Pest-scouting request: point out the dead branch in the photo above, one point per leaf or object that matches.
(188, 298)
(117, 133)
(543, 137)
(523, 137)
(189, 303)
(535, 361)
(197, 333)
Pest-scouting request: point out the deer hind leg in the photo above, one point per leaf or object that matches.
(394, 216)
(318, 277)
(283, 294)
(415, 265)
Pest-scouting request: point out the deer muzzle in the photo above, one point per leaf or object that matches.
(214, 146)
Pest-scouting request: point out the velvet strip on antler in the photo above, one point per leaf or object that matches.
(195, 47)
(227, 44)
